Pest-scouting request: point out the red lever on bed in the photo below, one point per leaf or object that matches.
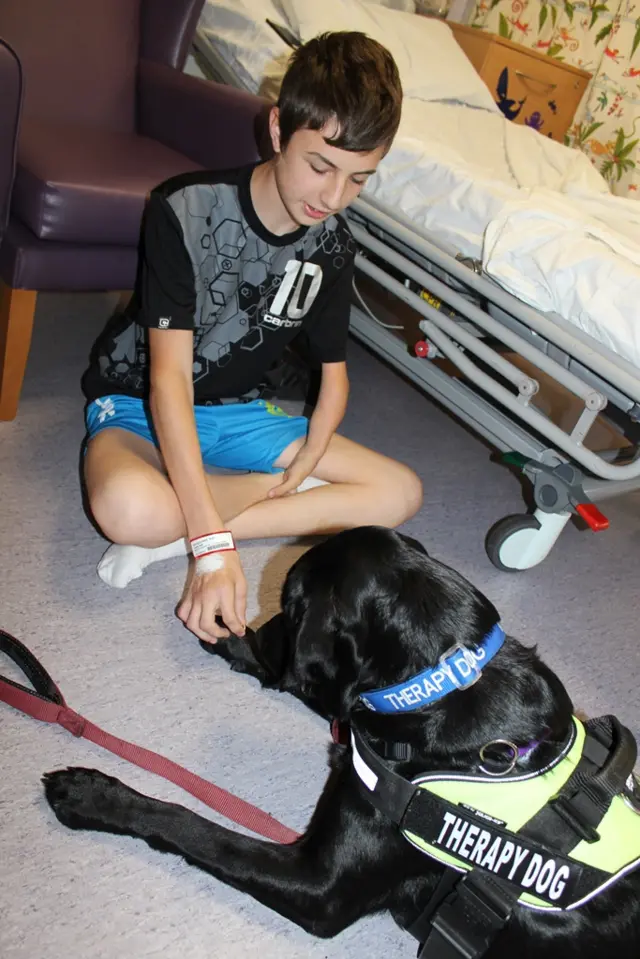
(592, 516)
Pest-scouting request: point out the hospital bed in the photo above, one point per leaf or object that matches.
(477, 335)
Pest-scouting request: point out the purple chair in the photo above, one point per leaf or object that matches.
(95, 112)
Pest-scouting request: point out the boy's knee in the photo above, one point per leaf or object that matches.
(123, 506)
(403, 493)
(412, 493)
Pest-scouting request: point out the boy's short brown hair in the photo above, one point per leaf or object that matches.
(346, 77)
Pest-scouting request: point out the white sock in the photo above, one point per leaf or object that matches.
(310, 482)
(121, 564)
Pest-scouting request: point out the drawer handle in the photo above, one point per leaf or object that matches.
(545, 83)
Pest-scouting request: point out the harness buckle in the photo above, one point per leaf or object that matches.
(451, 670)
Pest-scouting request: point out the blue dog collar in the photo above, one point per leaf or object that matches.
(458, 668)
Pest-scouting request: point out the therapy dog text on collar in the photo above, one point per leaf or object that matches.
(458, 668)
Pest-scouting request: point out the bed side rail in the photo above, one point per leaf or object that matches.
(464, 349)
(573, 341)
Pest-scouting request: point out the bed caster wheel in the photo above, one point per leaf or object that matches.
(507, 541)
(522, 541)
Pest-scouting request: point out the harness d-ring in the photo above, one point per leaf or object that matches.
(508, 769)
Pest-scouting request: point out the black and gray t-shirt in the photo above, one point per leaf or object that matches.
(209, 265)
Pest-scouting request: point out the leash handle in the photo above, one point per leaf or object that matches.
(43, 685)
(46, 703)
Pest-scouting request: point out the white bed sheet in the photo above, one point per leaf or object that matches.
(453, 169)
(537, 214)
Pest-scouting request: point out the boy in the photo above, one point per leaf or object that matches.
(234, 266)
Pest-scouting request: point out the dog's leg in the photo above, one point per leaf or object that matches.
(264, 656)
(311, 883)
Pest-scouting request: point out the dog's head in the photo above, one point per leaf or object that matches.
(368, 608)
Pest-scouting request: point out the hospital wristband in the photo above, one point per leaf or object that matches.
(220, 542)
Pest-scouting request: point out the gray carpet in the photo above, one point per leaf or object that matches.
(123, 659)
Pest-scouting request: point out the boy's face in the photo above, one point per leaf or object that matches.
(314, 179)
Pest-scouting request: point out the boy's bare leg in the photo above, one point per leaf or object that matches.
(135, 506)
(132, 499)
(363, 487)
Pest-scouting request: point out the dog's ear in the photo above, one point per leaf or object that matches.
(270, 647)
(328, 661)
(325, 659)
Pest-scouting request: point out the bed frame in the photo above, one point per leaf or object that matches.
(479, 327)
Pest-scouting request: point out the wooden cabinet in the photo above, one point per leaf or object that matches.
(529, 87)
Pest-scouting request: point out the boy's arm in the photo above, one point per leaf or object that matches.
(324, 421)
(327, 346)
(168, 297)
(171, 403)
(329, 410)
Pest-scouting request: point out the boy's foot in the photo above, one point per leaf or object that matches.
(122, 564)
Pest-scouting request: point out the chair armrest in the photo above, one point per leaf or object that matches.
(10, 113)
(217, 126)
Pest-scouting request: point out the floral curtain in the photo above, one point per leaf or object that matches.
(603, 38)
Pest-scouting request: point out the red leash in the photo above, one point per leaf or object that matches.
(46, 703)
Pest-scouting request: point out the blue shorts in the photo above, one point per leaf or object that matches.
(241, 436)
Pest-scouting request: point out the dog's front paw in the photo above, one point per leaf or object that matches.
(237, 653)
(85, 799)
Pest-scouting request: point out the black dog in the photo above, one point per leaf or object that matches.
(362, 611)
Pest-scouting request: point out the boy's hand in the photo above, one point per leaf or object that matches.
(222, 593)
(301, 466)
